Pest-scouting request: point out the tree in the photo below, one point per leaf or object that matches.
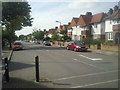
(39, 35)
(55, 36)
(15, 16)
(64, 35)
(22, 37)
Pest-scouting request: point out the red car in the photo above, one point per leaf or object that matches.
(76, 46)
(17, 46)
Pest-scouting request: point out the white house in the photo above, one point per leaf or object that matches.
(73, 31)
(83, 25)
(112, 26)
(98, 26)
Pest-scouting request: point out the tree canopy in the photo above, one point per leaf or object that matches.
(15, 16)
(39, 35)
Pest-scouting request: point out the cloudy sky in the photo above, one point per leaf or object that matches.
(45, 13)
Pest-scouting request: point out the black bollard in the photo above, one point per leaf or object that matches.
(6, 69)
(37, 68)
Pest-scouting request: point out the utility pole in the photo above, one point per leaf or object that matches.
(59, 33)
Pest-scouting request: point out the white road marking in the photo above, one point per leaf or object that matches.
(94, 59)
(92, 84)
(84, 75)
(75, 59)
(89, 64)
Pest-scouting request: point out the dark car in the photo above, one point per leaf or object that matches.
(37, 42)
(17, 46)
(46, 43)
(76, 46)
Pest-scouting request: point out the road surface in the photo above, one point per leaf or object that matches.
(61, 68)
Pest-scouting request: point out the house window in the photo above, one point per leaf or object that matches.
(110, 21)
(110, 36)
(95, 25)
(95, 36)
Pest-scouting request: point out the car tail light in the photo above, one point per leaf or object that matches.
(78, 47)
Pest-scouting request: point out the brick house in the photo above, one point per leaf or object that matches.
(72, 28)
(98, 26)
(62, 27)
(50, 32)
(84, 26)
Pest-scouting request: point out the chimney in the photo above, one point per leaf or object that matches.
(115, 8)
(45, 30)
(88, 13)
(110, 11)
(69, 23)
(56, 28)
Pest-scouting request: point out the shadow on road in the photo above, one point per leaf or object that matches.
(45, 48)
(20, 83)
(51, 48)
(17, 65)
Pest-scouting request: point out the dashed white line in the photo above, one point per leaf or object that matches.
(92, 84)
(84, 75)
(94, 59)
(75, 59)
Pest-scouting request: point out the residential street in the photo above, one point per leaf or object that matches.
(64, 68)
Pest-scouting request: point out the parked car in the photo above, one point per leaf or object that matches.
(46, 43)
(37, 42)
(17, 46)
(76, 46)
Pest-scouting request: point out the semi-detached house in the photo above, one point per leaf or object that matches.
(98, 26)
(72, 30)
(84, 26)
(112, 27)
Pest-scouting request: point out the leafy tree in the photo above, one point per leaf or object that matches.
(47, 39)
(15, 16)
(87, 41)
(39, 35)
(55, 36)
(65, 36)
(22, 37)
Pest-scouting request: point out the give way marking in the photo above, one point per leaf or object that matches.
(93, 59)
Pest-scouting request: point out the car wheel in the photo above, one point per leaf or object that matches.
(75, 49)
(68, 48)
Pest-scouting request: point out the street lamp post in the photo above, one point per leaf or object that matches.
(59, 33)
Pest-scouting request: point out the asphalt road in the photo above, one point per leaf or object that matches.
(61, 68)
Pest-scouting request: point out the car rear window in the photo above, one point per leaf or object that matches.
(79, 43)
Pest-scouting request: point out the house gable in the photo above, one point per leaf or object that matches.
(84, 20)
(74, 22)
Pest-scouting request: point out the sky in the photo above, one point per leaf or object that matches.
(46, 13)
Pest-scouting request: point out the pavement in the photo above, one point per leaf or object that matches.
(18, 83)
(105, 52)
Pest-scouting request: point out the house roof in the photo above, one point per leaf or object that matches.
(98, 17)
(115, 15)
(74, 21)
(84, 20)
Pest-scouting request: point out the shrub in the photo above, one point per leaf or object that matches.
(87, 41)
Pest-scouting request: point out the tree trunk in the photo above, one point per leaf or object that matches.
(10, 44)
